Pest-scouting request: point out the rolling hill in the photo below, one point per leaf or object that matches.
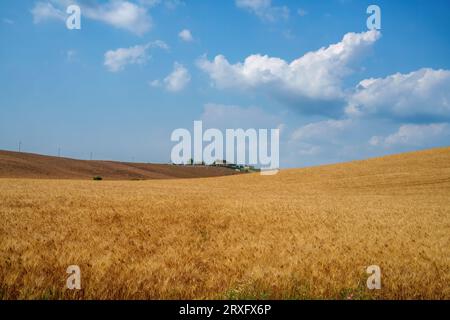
(301, 234)
(34, 166)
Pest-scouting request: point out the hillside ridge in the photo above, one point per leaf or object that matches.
(35, 166)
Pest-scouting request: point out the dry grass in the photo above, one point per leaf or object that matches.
(306, 233)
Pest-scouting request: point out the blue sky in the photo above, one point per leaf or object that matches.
(137, 70)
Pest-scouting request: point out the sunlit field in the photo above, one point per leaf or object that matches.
(302, 234)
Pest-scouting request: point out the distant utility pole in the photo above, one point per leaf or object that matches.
(91, 156)
(20, 146)
(59, 152)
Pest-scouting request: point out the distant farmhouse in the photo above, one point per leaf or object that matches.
(225, 164)
(241, 168)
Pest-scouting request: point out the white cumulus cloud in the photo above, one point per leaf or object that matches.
(316, 75)
(117, 13)
(186, 35)
(178, 79)
(121, 14)
(419, 94)
(414, 135)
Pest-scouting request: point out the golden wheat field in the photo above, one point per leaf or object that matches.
(302, 234)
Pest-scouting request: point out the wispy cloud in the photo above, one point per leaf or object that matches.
(302, 12)
(43, 11)
(117, 60)
(317, 131)
(264, 9)
(7, 21)
(223, 116)
(169, 4)
(71, 55)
